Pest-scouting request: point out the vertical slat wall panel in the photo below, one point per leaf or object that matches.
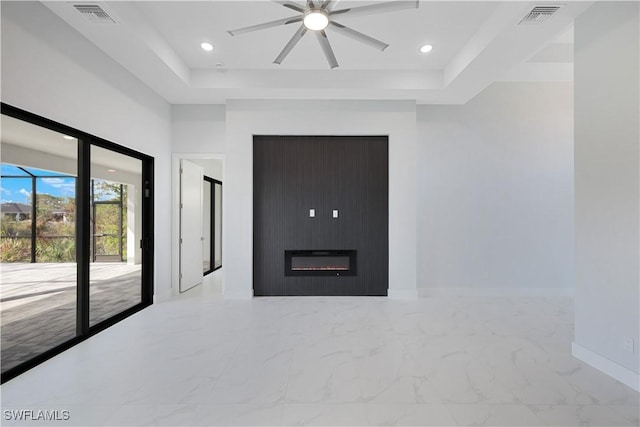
(293, 174)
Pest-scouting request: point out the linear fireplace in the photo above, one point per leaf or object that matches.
(320, 263)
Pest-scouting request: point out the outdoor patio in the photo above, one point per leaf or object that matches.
(38, 303)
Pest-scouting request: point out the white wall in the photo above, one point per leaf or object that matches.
(50, 70)
(210, 167)
(198, 128)
(495, 192)
(607, 188)
(247, 118)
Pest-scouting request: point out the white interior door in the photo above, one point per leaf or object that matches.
(191, 238)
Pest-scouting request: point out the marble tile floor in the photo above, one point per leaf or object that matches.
(442, 361)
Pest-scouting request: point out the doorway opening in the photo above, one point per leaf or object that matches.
(200, 222)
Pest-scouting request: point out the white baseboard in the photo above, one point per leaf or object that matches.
(248, 294)
(158, 298)
(496, 292)
(402, 293)
(624, 375)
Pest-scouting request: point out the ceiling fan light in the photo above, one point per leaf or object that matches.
(316, 20)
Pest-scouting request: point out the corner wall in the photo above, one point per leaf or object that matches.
(495, 193)
(607, 188)
(51, 70)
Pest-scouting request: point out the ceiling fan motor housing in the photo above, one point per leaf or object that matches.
(316, 19)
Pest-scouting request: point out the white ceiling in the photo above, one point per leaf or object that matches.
(39, 147)
(27, 135)
(475, 44)
(449, 26)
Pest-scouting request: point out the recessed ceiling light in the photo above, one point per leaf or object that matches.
(426, 48)
(316, 20)
(68, 137)
(111, 170)
(206, 46)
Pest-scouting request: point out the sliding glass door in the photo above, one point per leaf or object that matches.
(38, 274)
(115, 273)
(76, 241)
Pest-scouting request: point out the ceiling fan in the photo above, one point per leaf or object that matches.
(319, 15)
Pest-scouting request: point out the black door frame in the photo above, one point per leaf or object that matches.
(212, 266)
(83, 230)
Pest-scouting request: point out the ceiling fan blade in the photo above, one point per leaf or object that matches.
(356, 35)
(329, 5)
(291, 5)
(326, 48)
(266, 25)
(390, 6)
(292, 43)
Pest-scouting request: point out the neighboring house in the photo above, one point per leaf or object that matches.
(22, 212)
(17, 211)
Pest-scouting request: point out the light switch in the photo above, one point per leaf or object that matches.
(335, 213)
(312, 213)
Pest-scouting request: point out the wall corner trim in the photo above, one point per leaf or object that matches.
(402, 293)
(624, 375)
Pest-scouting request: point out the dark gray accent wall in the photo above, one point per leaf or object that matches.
(292, 174)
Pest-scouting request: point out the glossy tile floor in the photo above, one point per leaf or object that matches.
(445, 361)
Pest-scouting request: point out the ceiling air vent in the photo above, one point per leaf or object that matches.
(94, 13)
(539, 14)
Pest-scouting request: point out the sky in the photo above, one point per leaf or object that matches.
(18, 190)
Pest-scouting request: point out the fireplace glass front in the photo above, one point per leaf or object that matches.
(320, 263)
